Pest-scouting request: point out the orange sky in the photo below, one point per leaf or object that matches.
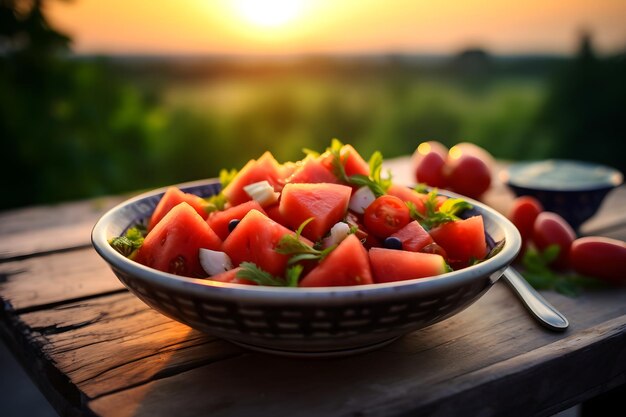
(335, 26)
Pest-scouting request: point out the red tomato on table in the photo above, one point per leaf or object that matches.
(599, 257)
(552, 229)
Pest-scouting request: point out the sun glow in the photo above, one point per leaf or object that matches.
(269, 13)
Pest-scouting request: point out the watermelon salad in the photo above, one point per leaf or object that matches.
(330, 219)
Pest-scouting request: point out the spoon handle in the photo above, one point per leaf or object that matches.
(536, 305)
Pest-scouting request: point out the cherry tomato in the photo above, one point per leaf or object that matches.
(468, 175)
(523, 214)
(552, 229)
(599, 257)
(431, 170)
(386, 215)
(425, 148)
(468, 148)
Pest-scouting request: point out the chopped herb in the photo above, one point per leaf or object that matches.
(299, 250)
(434, 216)
(536, 270)
(128, 244)
(218, 202)
(252, 272)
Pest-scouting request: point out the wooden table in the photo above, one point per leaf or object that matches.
(93, 348)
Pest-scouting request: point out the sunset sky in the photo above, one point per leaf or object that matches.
(338, 26)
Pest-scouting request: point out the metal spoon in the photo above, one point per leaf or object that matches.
(536, 305)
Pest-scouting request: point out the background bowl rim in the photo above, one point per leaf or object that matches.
(615, 179)
(198, 287)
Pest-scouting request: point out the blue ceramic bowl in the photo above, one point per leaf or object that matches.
(573, 189)
(301, 321)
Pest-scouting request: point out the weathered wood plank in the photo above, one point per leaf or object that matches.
(155, 348)
(55, 278)
(422, 368)
(115, 342)
(44, 229)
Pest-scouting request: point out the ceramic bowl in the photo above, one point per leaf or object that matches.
(301, 321)
(573, 189)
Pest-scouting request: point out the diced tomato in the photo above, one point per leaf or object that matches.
(312, 170)
(463, 240)
(219, 220)
(263, 169)
(231, 276)
(173, 197)
(386, 215)
(326, 203)
(254, 240)
(173, 245)
(348, 264)
(390, 265)
(413, 237)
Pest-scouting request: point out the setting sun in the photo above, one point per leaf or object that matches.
(269, 13)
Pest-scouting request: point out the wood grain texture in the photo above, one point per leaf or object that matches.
(425, 366)
(42, 229)
(93, 347)
(115, 342)
(55, 278)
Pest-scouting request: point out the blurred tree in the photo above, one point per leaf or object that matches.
(68, 128)
(586, 108)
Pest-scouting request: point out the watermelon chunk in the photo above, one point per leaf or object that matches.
(231, 276)
(348, 264)
(254, 240)
(463, 240)
(219, 220)
(353, 163)
(413, 237)
(312, 170)
(263, 169)
(173, 197)
(326, 203)
(173, 245)
(390, 265)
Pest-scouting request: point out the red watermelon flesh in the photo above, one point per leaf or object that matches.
(173, 197)
(254, 240)
(390, 265)
(347, 264)
(219, 220)
(263, 169)
(413, 237)
(173, 245)
(326, 203)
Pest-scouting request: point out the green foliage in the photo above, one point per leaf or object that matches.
(75, 127)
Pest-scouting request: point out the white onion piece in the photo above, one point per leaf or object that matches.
(338, 232)
(214, 262)
(361, 199)
(262, 192)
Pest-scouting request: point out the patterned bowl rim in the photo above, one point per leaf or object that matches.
(204, 288)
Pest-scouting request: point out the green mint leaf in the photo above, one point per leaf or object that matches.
(293, 275)
(550, 253)
(310, 152)
(421, 188)
(128, 244)
(362, 180)
(454, 206)
(218, 202)
(227, 176)
(252, 272)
